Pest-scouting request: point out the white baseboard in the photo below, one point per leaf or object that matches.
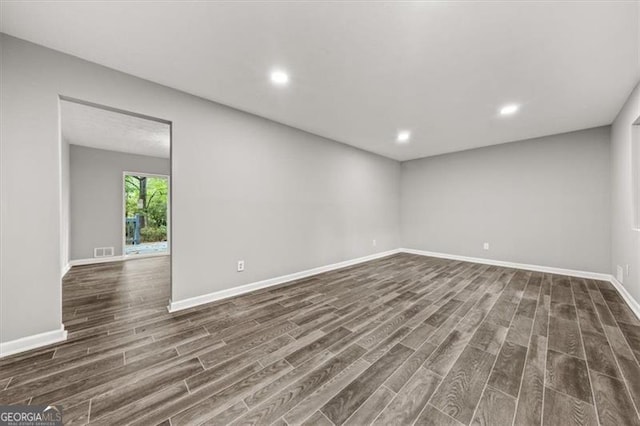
(525, 266)
(32, 342)
(55, 336)
(235, 291)
(633, 304)
(65, 269)
(94, 260)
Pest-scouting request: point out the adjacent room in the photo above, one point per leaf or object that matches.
(320, 213)
(115, 188)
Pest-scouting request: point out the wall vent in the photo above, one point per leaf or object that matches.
(103, 251)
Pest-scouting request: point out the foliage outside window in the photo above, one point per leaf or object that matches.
(146, 198)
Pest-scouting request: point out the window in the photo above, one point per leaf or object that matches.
(146, 214)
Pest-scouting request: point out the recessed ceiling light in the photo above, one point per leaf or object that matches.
(279, 78)
(509, 109)
(403, 136)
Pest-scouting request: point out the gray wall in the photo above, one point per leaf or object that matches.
(96, 196)
(285, 200)
(543, 201)
(243, 188)
(65, 206)
(625, 149)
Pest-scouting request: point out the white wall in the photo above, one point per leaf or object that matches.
(625, 240)
(243, 188)
(542, 201)
(96, 196)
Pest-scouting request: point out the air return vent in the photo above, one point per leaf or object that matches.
(103, 251)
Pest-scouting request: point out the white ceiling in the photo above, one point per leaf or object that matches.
(114, 131)
(362, 71)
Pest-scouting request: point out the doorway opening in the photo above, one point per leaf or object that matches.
(146, 206)
(115, 218)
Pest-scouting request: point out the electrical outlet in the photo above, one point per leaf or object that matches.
(375, 243)
(240, 265)
(485, 246)
(620, 274)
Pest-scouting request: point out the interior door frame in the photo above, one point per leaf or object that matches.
(124, 215)
(635, 172)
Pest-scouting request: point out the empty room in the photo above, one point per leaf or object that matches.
(320, 213)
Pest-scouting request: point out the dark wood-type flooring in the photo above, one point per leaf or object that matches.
(400, 340)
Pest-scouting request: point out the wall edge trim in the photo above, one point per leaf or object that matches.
(55, 336)
(246, 288)
(32, 342)
(515, 265)
(65, 269)
(119, 258)
(630, 301)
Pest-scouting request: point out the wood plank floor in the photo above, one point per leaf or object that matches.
(400, 340)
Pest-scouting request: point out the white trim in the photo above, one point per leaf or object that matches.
(631, 302)
(55, 336)
(32, 342)
(92, 260)
(65, 269)
(526, 266)
(235, 291)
